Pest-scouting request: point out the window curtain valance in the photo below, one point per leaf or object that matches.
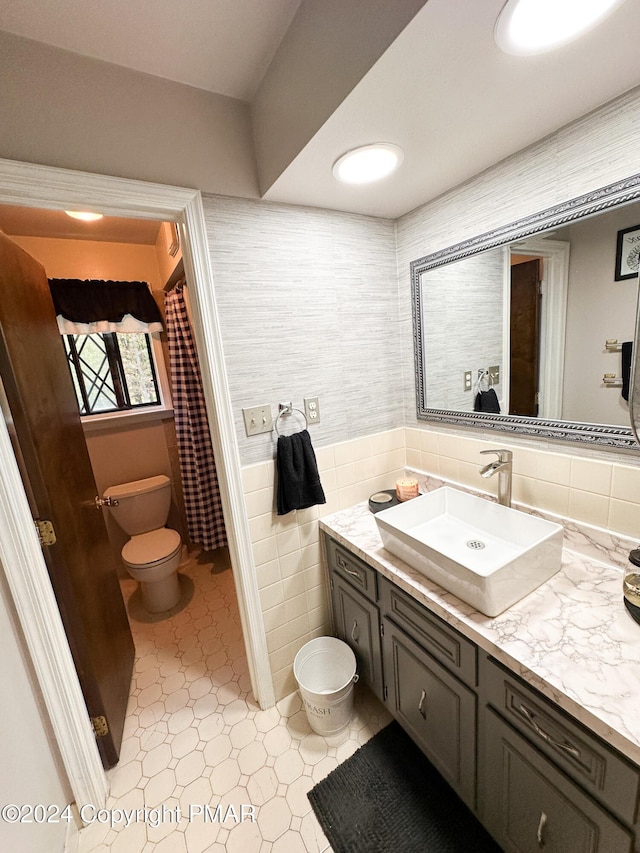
(90, 306)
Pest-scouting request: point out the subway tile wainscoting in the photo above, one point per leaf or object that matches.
(287, 548)
(598, 492)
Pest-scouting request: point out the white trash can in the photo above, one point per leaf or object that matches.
(325, 669)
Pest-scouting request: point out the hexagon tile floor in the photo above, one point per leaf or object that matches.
(195, 739)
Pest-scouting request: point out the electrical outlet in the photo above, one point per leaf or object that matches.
(312, 410)
(467, 380)
(258, 419)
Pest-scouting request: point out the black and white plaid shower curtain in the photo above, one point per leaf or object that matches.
(197, 465)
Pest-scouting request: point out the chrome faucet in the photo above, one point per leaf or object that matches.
(503, 466)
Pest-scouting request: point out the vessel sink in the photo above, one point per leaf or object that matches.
(488, 555)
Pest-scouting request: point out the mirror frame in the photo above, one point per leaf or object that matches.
(606, 198)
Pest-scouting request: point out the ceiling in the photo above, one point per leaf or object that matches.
(456, 104)
(223, 46)
(30, 222)
(442, 91)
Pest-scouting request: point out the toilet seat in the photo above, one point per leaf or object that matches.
(149, 549)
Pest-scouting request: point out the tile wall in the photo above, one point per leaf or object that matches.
(287, 549)
(600, 492)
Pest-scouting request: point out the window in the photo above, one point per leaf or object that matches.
(112, 372)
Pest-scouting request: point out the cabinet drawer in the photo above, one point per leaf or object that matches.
(436, 710)
(357, 623)
(589, 761)
(528, 805)
(435, 636)
(359, 574)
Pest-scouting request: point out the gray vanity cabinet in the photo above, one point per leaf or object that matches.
(546, 782)
(536, 777)
(436, 710)
(356, 616)
(528, 805)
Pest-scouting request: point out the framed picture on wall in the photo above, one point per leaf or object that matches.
(628, 253)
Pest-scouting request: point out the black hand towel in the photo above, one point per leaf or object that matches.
(487, 401)
(627, 352)
(299, 484)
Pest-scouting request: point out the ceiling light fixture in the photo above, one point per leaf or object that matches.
(527, 27)
(84, 215)
(368, 163)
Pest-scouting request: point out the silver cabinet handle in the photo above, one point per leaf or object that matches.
(567, 747)
(345, 568)
(541, 825)
(354, 635)
(421, 709)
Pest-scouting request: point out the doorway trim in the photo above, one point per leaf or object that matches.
(30, 185)
(553, 319)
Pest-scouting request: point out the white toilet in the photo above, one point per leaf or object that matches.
(153, 553)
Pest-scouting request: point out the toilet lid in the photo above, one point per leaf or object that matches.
(151, 547)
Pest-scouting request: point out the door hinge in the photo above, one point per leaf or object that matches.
(45, 531)
(100, 726)
(382, 629)
(385, 693)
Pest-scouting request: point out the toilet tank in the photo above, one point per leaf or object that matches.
(143, 505)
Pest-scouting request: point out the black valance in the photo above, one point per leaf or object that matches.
(105, 305)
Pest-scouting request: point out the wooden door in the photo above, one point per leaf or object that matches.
(525, 335)
(49, 443)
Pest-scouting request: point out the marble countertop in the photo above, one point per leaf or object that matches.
(572, 638)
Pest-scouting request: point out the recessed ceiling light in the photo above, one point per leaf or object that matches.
(368, 163)
(84, 215)
(526, 27)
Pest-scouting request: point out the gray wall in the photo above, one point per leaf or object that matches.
(62, 109)
(327, 50)
(308, 307)
(598, 308)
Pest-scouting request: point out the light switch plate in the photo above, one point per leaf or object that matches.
(258, 419)
(312, 410)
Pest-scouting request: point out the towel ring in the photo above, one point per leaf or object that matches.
(287, 409)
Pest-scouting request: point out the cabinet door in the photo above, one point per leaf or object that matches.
(528, 805)
(435, 709)
(358, 624)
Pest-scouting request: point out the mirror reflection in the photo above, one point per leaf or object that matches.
(538, 328)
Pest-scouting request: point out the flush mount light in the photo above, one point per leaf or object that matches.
(368, 163)
(84, 215)
(526, 27)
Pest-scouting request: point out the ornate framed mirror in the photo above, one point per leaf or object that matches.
(468, 332)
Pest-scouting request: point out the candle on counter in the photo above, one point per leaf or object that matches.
(406, 489)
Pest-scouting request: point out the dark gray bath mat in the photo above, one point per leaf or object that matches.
(388, 798)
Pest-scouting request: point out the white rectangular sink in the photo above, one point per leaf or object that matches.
(488, 555)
